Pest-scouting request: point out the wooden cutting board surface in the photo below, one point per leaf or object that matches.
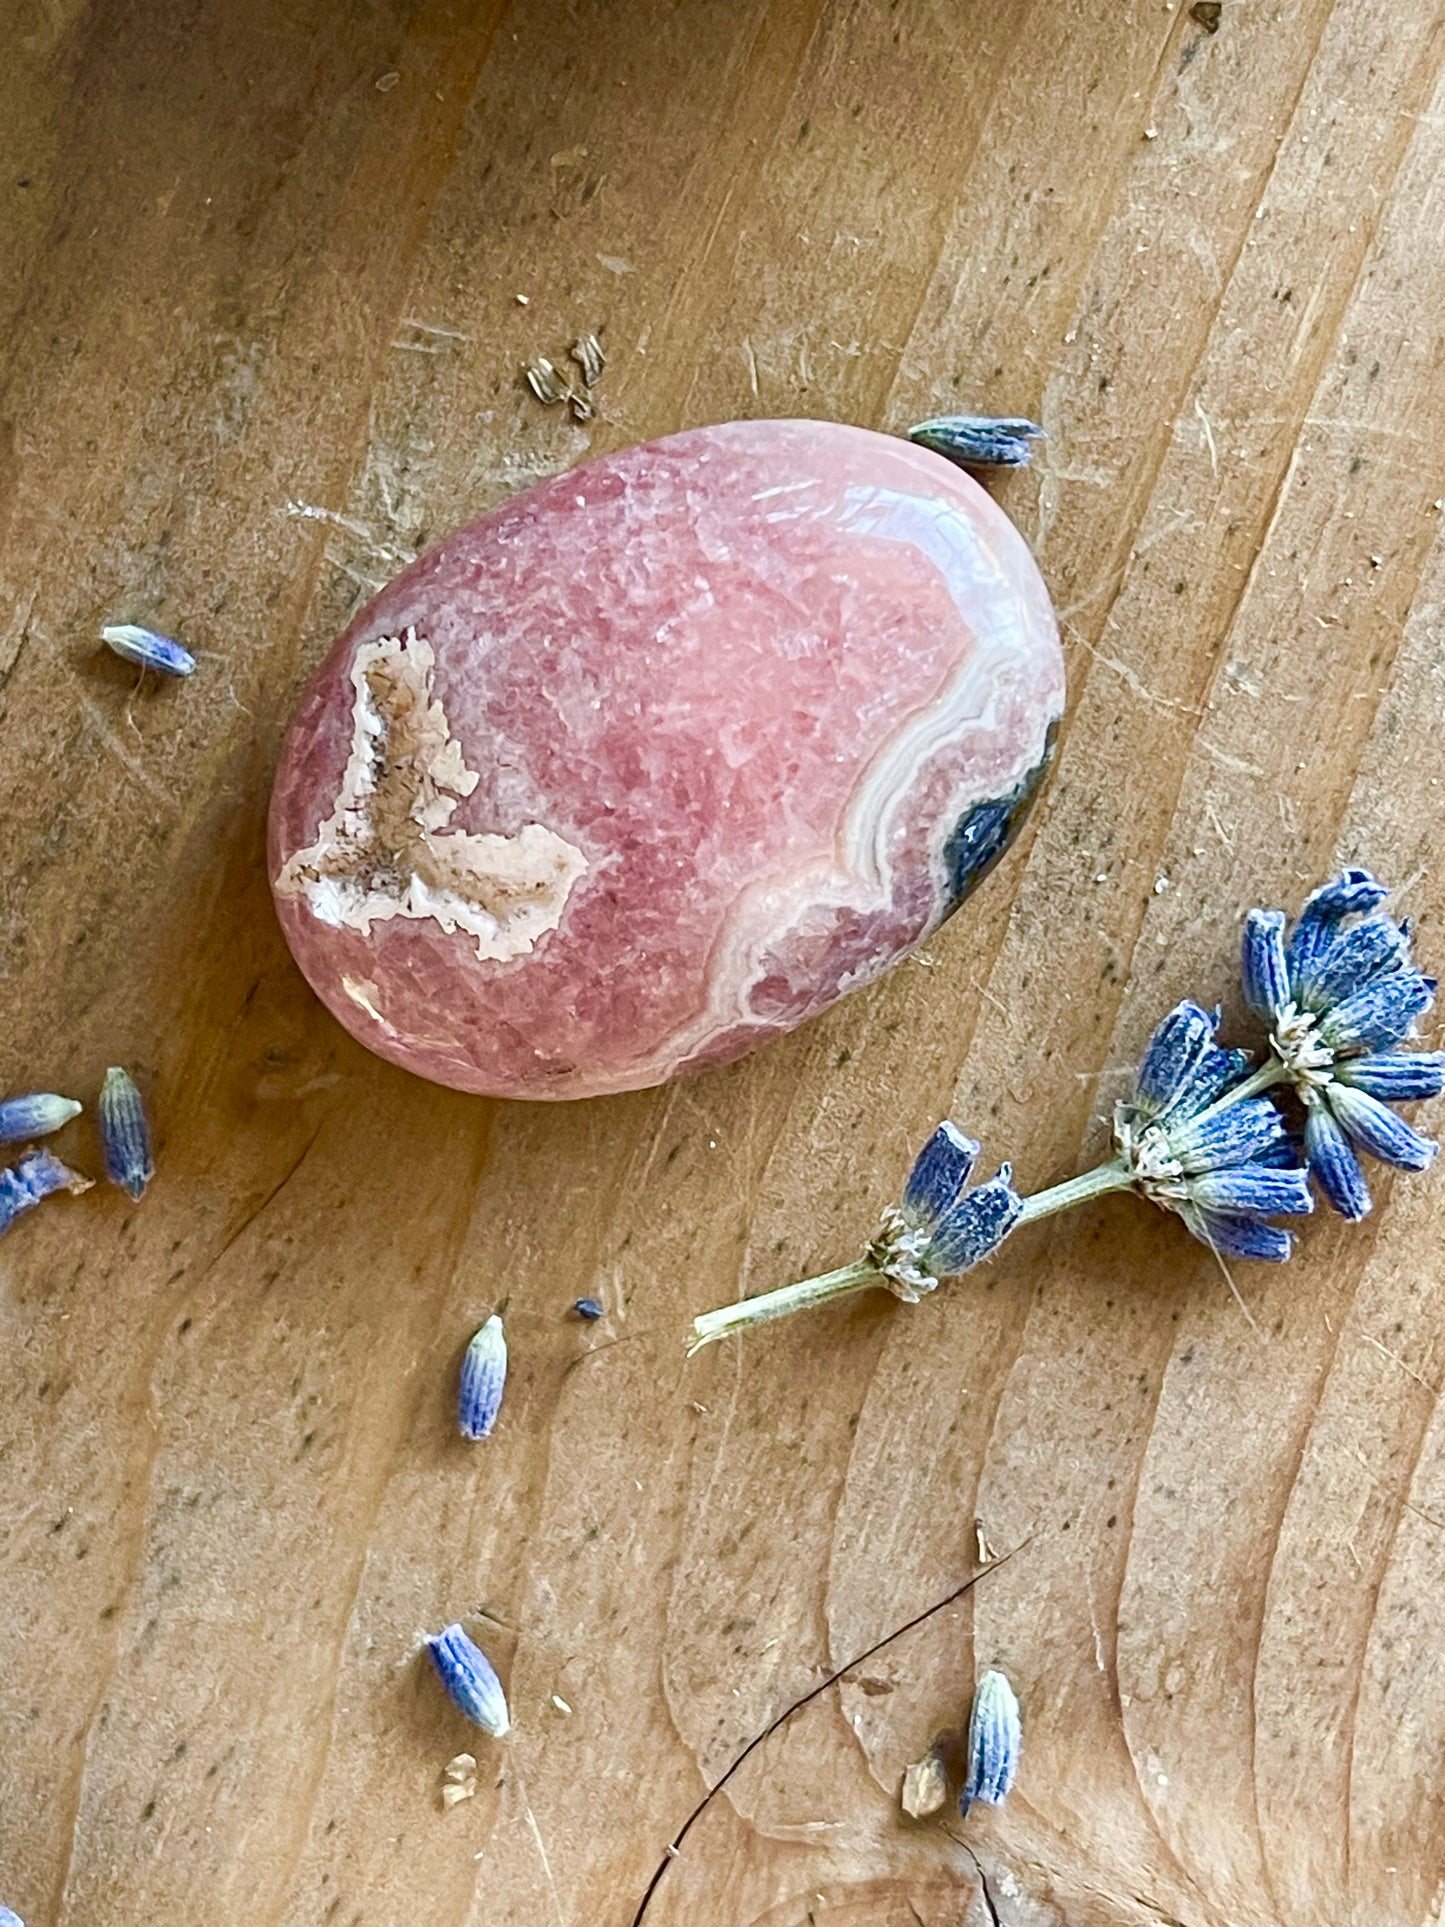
(261, 277)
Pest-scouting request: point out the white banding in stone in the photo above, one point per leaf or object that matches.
(386, 851)
(859, 879)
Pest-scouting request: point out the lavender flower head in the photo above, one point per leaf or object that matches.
(7, 1919)
(1341, 996)
(940, 1229)
(1223, 1163)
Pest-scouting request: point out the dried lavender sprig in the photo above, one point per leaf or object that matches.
(470, 1680)
(38, 1175)
(1181, 1142)
(125, 1134)
(147, 649)
(36, 1114)
(1198, 1136)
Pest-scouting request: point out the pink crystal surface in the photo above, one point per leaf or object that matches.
(662, 757)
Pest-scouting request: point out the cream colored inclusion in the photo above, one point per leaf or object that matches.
(386, 850)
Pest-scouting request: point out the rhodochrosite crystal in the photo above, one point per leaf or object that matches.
(662, 757)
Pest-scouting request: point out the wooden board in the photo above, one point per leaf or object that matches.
(260, 286)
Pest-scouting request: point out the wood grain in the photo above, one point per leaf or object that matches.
(259, 306)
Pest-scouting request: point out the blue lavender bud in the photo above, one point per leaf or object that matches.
(1262, 966)
(1353, 893)
(1253, 1190)
(484, 1377)
(38, 1175)
(150, 651)
(470, 1681)
(978, 441)
(938, 1229)
(1333, 1163)
(1212, 1075)
(1230, 1237)
(939, 1172)
(1395, 1079)
(124, 1133)
(994, 1739)
(974, 1227)
(1378, 1130)
(1175, 1053)
(1350, 997)
(35, 1115)
(1222, 1162)
(1377, 947)
(7, 1919)
(1379, 1015)
(1236, 1135)
(589, 1309)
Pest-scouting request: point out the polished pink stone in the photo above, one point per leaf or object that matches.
(662, 757)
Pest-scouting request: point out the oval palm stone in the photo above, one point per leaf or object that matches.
(663, 756)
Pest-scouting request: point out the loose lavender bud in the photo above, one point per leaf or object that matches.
(484, 1377)
(7, 1919)
(124, 1134)
(35, 1115)
(588, 1308)
(38, 1175)
(471, 1682)
(978, 441)
(150, 651)
(994, 1738)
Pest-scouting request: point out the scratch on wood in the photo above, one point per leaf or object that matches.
(1133, 680)
(1208, 437)
(122, 755)
(1408, 1370)
(541, 1845)
(1226, 761)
